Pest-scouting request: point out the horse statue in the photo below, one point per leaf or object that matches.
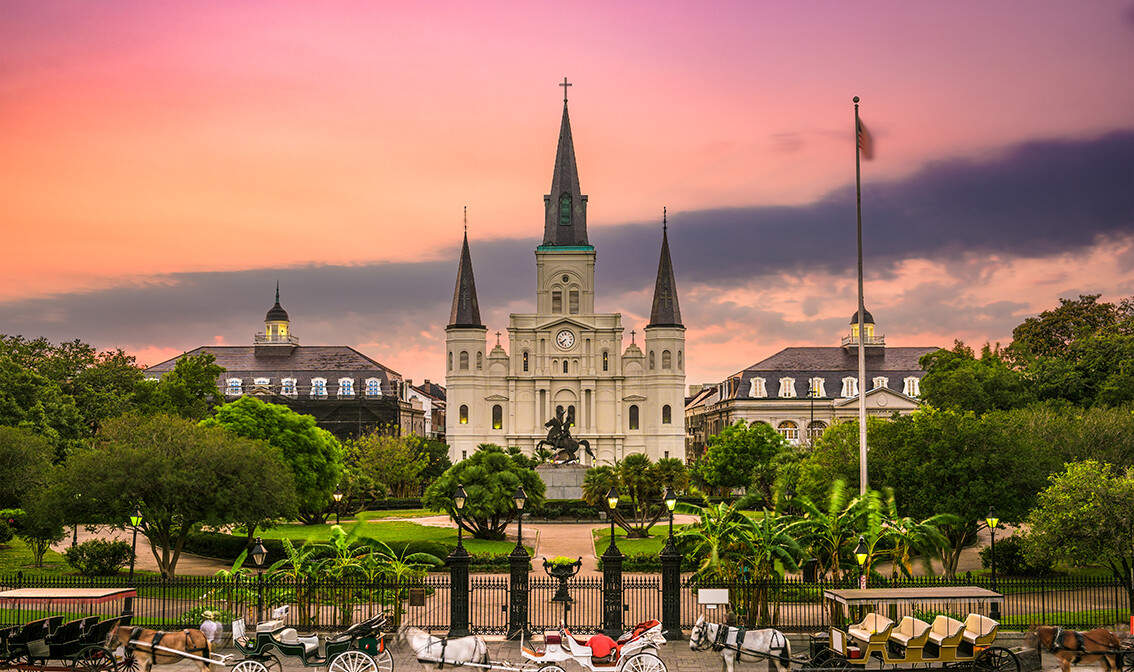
(739, 644)
(1071, 647)
(564, 447)
(143, 645)
(455, 651)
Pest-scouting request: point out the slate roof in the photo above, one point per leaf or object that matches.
(466, 309)
(830, 363)
(304, 363)
(431, 389)
(869, 317)
(277, 313)
(665, 311)
(565, 180)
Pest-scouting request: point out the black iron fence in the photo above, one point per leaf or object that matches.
(327, 604)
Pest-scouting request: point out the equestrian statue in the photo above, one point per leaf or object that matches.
(564, 447)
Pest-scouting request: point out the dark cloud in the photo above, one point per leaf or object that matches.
(1037, 199)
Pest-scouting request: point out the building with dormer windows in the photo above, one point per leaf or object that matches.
(624, 398)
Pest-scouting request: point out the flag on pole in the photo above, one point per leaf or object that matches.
(865, 142)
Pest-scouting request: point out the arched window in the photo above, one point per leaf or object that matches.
(605, 360)
(850, 387)
(497, 417)
(346, 387)
(318, 387)
(880, 381)
(288, 388)
(565, 366)
(464, 414)
(666, 414)
(525, 360)
(789, 430)
(450, 361)
(911, 386)
(633, 416)
(759, 389)
(373, 387)
(787, 387)
(573, 302)
(680, 362)
(815, 429)
(565, 210)
(232, 388)
(651, 360)
(479, 360)
(666, 360)
(571, 416)
(464, 360)
(556, 301)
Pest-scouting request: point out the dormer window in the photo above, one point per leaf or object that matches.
(787, 388)
(261, 382)
(912, 387)
(287, 387)
(850, 387)
(373, 387)
(759, 389)
(232, 387)
(880, 381)
(565, 210)
(816, 385)
(318, 387)
(346, 387)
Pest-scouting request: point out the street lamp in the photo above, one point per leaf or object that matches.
(459, 499)
(612, 502)
(670, 499)
(135, 521)
(338, 497)
(259, 555)
(520, 498)
(861, 554)
(992, 520)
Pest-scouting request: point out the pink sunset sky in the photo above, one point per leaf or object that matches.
(163, 164)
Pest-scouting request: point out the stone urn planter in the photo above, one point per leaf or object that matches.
(562, 569)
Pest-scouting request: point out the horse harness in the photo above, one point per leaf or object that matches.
(720, 642)
(136, 632)
(1080, 644)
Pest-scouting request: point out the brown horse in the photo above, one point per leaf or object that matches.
(1071, 647)
(190, 640)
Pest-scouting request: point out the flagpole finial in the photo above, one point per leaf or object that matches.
(856, 99)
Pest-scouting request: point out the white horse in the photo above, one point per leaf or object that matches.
(441, 650)
(754, 645)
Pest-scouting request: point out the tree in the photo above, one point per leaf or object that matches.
(743, 456)
(25, 460)
(827, 530)
(40, 524)
(956, 380)
(394, 463)
(180, 475)
(490, 478)
(640, 483)
(31, 401)
(1086, 517)
(313, 454)
(1053, 332)
(188, 390)
(437, 454)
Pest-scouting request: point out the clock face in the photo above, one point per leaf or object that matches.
(565, 339)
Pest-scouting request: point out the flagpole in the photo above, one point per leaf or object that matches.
(861, 313)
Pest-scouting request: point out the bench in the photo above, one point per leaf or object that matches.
(911, 633)
(874, 629)
(980, 630)
(945, 634)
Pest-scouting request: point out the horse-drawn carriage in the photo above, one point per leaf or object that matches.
(359, 648)
(55, 643)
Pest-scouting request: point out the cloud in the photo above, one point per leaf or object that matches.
(950, 250)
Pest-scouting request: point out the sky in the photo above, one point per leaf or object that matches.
(164, 163)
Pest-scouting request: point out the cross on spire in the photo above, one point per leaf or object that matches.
(565, 84)
(466, 219)
(498, 338)
(663, 215)
(632, 332)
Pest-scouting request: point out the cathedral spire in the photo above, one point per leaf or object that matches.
(665, 312)
(565, 207)
(466, 310)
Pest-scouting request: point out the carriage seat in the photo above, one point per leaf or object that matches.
(874, 629)
(638, 631)
(911, 633)
(603, 649)
(290, 636)
(980, 630)
(946, 632)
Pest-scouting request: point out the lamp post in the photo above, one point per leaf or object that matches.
(459, 574)
(811, 397)
(992, 520)
(518, 564)
(612, 576)
(861, 554)
(259, 555)
(135, 521)
(671, 576)
(338, 497)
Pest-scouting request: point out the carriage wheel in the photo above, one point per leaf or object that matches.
(996, 659)
(1125, 661)
(271, 661)
(644, 662)
(835, 663)
(249, 665)
(353, 661)
(551, 667)
(94, 659)
(384, 661)
(129, 663)
(17, 659)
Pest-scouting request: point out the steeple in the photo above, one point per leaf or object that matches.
(566, 207)
(466, 310)
(665, 312)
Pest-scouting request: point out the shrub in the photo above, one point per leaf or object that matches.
(98, 557)
(1010, 560)
(228, 547)
(6, 532)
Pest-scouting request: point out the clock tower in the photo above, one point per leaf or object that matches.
(565, 356)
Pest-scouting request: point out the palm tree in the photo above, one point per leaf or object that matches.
(303, 572)
(910, 536)
(828, 531)
(401, 568)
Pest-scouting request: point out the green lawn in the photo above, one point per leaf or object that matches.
(653, 544)
(391, 531)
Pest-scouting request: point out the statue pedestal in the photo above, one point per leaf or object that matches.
(564, 481)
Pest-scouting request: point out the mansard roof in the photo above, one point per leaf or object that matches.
(665, 311)
(466, 309)
(565, 183)
(832, 364)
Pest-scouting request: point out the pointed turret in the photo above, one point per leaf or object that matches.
(566, 207)
(665, 312)
(466, 310)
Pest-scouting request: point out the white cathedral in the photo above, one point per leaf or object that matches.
(566, 358)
